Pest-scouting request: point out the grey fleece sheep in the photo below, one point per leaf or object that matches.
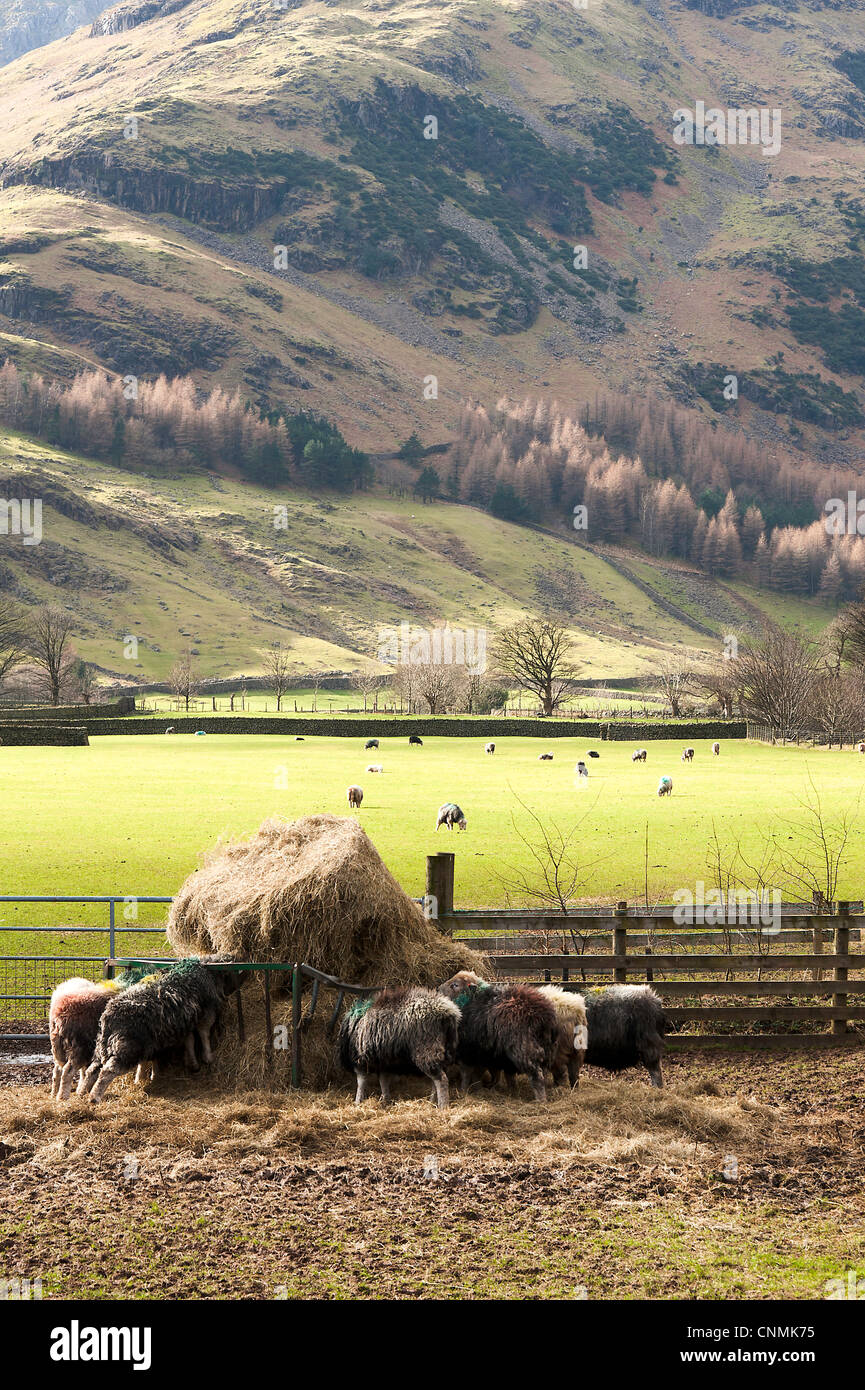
(626, 1029)
(509, 1028)
(154, 1016)
(400, 1032)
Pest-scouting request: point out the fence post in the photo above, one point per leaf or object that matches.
(296, 1004)
(440, 885)
(620, 942)
(842, 948)
(111, 951)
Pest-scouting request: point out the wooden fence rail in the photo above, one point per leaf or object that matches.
(654, 945)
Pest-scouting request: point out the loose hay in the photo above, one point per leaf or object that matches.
(313, 890)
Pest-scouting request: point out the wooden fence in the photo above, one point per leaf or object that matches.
(679, 962)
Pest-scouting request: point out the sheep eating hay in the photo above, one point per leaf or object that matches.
(313, 890)
(400, 1032)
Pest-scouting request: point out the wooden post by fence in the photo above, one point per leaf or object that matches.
(440, 885)
(620, 941)
(842, 948)
(817, 939)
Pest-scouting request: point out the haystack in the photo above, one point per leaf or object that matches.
(313, 890)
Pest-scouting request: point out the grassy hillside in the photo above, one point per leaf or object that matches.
(198, 562)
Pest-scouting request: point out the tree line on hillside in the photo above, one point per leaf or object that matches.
(708, 496)
(167, 424)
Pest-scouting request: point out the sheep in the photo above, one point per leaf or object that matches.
(375, 767)
(593, 754)
(509, 1028)
(582, 771)
(687, 755)
(171, 730)
(370, 743)
(626, 1029)
(490, 748)
(450, 815)
(716, 749)
(573, 1033)
(860, 747)
(639, 755)
(545, 757)
(665, 786)
(73, 1023)
(299, 738)
(414, 741)
(355, 797)
(157, 1015)
(400, 1032)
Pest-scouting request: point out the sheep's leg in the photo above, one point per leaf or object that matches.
(441, 1093)
(88, 1080)
(539, 1088)
(55, 1076)
(189, 1057)
(574, 1064)
(106, 1075)
(654, 1070)
(64, 1090)
(363, 1080)
(139, 1074)
(384, 1084)
(468, 1078)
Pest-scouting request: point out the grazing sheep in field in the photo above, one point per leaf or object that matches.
(299, 738)
(375, 767)
(860, 747)
(76, 1009)
(490, 748)
(450, 815)
(573, 1033)
(582, 772)
(716, 749)
(665, 786)
(414, 741)
(155, 1016)
(626, 1029)
(355, 797)
(370, 743)
(400, 1032)
(545, 757)
(171, 730)
(639, 755)
(509, 1028)
(687, 755)
(593, 754)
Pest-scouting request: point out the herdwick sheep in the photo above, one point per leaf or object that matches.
(509, 1028)
(299, 738)
(370, 743)
(860, 747)
(665, 786)
(355, 797)
(687, 755)
(626, 1029)
(573, 1033)
(545, 757)
(450, 815)
(375, 767)
(155, 1016)
(593, 754)
(400, 1032)
(171, 730)
(582, 771)
(639, 756)
(716, 749)
(490, 748)
(74, 1016)
(414, 741)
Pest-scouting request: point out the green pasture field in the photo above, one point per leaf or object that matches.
(131, 815)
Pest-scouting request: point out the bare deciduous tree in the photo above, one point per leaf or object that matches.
(182, 679)
(676, 677)
(720, 680)
(13, 641)
(436, 684)
(536, 654)
(277, 669)
(778, 672)
(51, 650)
(366, 681)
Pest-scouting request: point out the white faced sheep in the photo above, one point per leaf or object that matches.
(171, 730)
(490, 748)
(509, 1028)
(355, 797)
(370, 743)
(626, 1029)
(375, 767)
(639, 755)
(400, 1032)
(687, 755)
(450, 815)
(545, 757)
(716, 749)
(573, 1033)
(73, 1024)
(582, 771)
(665, 786)
(155, 1016)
